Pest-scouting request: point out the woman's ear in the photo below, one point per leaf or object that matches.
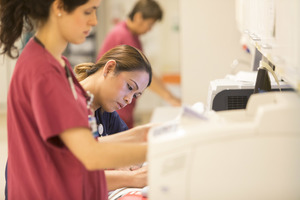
(58, 7)
(138, 17)
(109, 67)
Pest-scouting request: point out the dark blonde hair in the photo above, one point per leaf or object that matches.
(127, 59)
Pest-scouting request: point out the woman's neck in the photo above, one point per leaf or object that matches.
(52, 42)
(88, 85)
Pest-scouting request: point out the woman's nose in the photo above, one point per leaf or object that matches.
(93, 20)
(128, 98)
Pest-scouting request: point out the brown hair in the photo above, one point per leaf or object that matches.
(148, 8)
(127, 59)
(17, 15)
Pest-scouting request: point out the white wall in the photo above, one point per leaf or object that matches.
(6, 69)
(209, 42)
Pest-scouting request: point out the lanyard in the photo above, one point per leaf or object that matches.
(69, 77)
(71, 82)
(89, 97)
(89, 101)
(91, 115)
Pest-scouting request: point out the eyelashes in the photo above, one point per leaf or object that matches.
(130, 89)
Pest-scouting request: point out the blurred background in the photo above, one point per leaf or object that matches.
(160, 45)
(196, 42)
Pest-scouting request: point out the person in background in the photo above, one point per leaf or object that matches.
(52, 151)
(140, 20)
(120, 60)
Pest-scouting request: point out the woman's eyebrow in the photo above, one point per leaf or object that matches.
(135, 84)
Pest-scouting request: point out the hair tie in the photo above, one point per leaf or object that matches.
(90, 70)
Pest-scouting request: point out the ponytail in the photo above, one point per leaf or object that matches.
(83, 70)
(127, 59)
(13, 15)
(17, 15)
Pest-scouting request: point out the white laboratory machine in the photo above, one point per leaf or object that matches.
(233, 91)
(241, 154)
(252, 153)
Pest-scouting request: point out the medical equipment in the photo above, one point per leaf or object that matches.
(240, 154)
(251, 153)
(234, 91)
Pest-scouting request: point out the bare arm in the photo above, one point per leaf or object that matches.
(91, 153)
(159, 88)
(119, 178)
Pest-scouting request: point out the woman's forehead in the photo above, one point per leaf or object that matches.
(140, 77)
